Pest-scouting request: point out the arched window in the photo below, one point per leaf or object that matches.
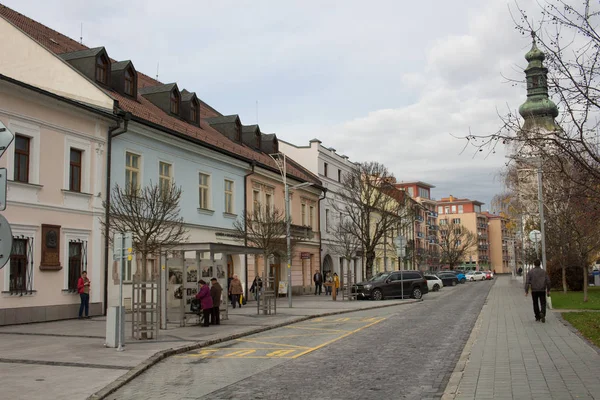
(129, 82)
(102, 69)
(194, 111)
(175, 102)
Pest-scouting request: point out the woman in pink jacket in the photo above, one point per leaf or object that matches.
(206, 302)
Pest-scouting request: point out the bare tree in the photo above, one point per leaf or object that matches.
(456, 242)
(372, 206)
(344, 242)
(265, 228)
(152, 216)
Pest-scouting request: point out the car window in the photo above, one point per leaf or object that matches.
(395, 277)
(433, 278)
(411, 275)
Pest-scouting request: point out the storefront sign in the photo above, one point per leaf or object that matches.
(305, 256)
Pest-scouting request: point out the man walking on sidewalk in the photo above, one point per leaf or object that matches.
(318, 280)
(539, 281)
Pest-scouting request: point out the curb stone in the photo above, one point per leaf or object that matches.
(451, 390)
(560, 318)
(163, 354)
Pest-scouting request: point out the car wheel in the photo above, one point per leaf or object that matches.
(416, 293)
(436, 287)
(463, 280)
(453, 283)
(472, 279)
(377, 295)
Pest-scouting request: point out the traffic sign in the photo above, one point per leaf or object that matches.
(535, 236)
(400, 243)
(6, 138)
(3, 189)
(6, 239)
(121, 249)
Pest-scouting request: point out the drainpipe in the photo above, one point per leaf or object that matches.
(113, 132)
(252, 165)
(320, 235)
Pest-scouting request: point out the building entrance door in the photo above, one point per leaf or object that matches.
(274, 271)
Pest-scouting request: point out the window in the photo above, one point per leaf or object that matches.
(132, 172)
(411, 192)
(129, 82)
(303, 214)
(339, 175)
(456, 220)
(311, 216)
(194, 111)
(255, 200)
(175, 102)
(74, 265)
(447, 210)
(18, 266)
(477, 209)
(443, 221)
(22, 144)
(460, 209)
(164, 176)
(204, 188)
(228, 196)
(102, 69)
(268, 202)
(325, 169)
(423, 193)
(440, 210)
(327, 220)
(453, 209)
(75, 170)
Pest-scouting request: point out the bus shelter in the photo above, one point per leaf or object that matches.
(183, 266)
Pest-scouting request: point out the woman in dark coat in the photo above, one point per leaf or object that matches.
(206, 302)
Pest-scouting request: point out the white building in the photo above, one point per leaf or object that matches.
(331, 168)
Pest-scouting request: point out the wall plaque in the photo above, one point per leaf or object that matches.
(50, 248)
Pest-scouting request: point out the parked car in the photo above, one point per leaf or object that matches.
(475, 276)
(434, 283)
(389, 284)
(489, 275)
(448, 278)
(459, 275)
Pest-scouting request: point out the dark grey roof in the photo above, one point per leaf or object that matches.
(250, 128)
(81, 54)
(119, 65)
(187, 96)
(157, 89)
(269, 136)
(223, 120)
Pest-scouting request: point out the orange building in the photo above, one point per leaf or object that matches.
(501, 246)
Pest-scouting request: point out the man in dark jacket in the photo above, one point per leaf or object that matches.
(215, 292)
(539, 281)
(318, 279)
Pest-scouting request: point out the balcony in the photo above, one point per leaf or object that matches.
(433, 214)
(301, 232)
(419, 218)
(420, 235)
(432, 227)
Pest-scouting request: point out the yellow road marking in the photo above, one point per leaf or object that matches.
(342, 320)
(317, 320)
(315, 329)
(337, 338)
(240, 353)
(272, 343)
(295, 336)
(280, 353)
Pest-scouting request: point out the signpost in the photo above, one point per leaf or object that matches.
(400, 243)
(6, 238)
(122, 251)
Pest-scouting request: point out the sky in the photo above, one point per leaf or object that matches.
(397, 82)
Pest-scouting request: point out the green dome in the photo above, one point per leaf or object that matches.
(535, 54)
(538, 108)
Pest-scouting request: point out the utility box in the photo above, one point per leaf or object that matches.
(113, 327)
(596, 275)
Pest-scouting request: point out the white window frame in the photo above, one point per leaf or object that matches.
(231, 193)
(208, 191)
(33, 133)
(29, 231)
(440, 209)
(311, 217)
(453, 208)
(85, 146)
(168, 178)
(461, 209)
(255, 200)
(303, 214)
(268, 201)
(139, 168)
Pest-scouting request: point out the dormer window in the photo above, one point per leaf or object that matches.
(102, 69)
(175, 102)
(194, 111)
(129, 82)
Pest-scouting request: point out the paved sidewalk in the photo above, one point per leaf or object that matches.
(510, 356)
(68, 360)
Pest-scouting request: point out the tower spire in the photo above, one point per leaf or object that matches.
(539, 110)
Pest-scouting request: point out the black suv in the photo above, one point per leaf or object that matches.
(389, 284)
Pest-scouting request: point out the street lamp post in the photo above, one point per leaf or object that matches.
(283, 169)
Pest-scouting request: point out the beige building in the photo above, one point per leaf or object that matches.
(501, 247)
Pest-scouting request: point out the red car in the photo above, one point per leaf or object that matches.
(489, 275)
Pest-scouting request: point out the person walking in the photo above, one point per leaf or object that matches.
(539, 281)
(83, 288)
(235, 290)
(318, 280)
(329, 281)
(256, 287)
(336, 283)
(206, 302)
(216, 291)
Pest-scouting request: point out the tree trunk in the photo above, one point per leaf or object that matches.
(369, 266)
(585, 283)
(564, 278)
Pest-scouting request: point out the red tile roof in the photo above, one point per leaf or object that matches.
(144, 109)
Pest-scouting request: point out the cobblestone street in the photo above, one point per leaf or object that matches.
(390, 353)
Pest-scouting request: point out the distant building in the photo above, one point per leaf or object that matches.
(502, 247)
